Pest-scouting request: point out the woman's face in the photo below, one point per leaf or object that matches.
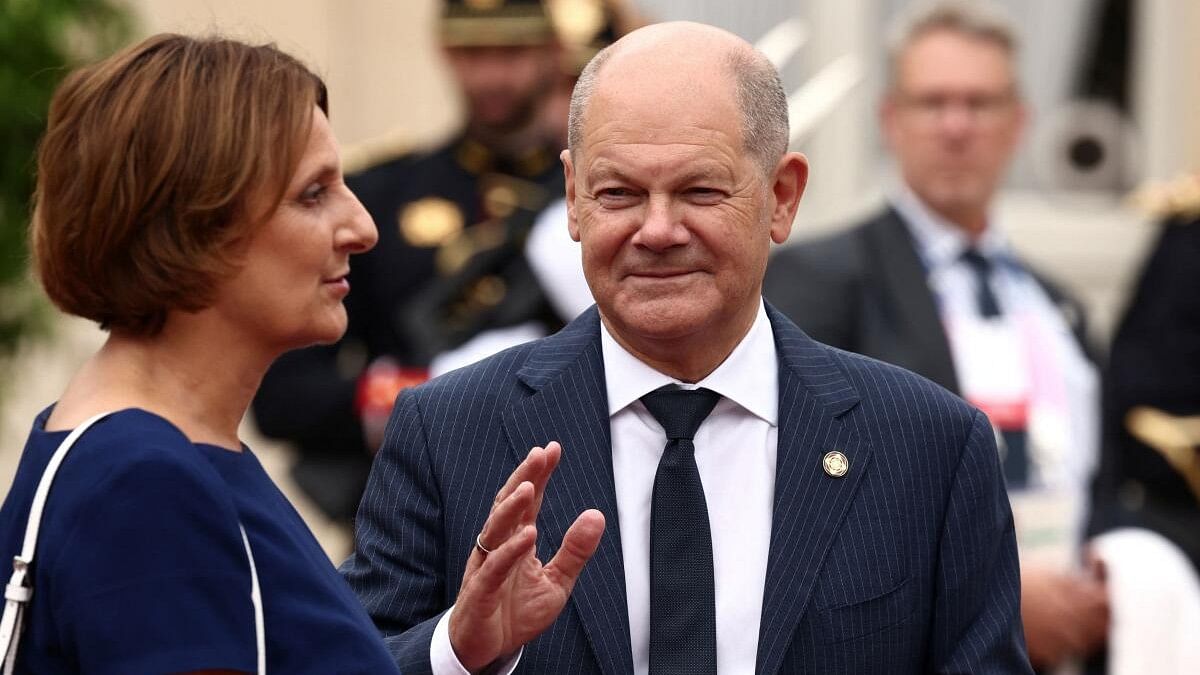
(289, 288)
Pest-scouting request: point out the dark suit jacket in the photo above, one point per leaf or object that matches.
(864, 290)
(908, 564)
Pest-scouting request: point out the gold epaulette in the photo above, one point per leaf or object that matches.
(1179, 197)
(1177, 439)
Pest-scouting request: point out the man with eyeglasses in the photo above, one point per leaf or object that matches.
(932, 284)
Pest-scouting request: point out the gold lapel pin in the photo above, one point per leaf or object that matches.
(836, 464)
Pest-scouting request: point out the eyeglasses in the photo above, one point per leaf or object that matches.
(980, 108)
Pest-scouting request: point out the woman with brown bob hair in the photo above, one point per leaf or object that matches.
(190, 200)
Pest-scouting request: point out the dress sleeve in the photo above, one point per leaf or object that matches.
(153, 575)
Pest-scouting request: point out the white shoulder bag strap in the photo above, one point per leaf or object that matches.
(17, 593)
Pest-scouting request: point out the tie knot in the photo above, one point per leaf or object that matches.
(680, 411)
(978, 261)
(981, 269)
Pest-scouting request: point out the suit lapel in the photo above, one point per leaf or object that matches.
(568, 404)
(902, 280)
(809, 504)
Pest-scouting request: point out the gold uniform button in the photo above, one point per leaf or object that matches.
(500, 201)
(836, 464)
(488, 291)
(430, 222)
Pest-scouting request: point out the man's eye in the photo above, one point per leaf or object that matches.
(705, 195)
(615, 196)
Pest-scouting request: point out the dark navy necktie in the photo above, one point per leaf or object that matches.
(981, 267)
(1014, 453)
(683, 614)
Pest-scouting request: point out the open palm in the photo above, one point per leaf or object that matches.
(508, 597)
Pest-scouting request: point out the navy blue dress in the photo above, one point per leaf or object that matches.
(140, 566)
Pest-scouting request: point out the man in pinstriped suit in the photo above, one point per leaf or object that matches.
(858, 519)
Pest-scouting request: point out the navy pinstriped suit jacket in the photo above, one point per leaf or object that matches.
(908, 564)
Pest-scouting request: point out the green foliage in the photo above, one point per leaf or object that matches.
(40, 41)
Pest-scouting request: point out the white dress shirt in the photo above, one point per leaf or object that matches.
(735, 454)
(1028, 354)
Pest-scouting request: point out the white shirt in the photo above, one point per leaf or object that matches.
(940, 245)
(1028, 355)
(735, 454)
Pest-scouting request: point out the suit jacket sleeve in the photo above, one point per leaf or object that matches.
(977, 614)
(399, 558)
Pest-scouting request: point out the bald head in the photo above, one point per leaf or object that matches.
(685, 59)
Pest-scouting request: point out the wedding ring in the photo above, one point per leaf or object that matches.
(479, 545)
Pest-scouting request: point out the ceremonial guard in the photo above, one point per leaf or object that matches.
(538, 261)
(1150, 468)
(447, 217)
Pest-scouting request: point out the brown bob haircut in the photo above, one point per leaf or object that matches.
(157, 164)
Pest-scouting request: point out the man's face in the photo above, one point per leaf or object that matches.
(953, 120)
(675, 219)
(503, 86)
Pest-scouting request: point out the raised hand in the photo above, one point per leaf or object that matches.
(508, 597)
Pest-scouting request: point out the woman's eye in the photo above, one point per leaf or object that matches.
(312, 195)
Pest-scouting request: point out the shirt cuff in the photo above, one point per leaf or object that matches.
(444, 661)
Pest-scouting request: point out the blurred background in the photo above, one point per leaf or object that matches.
(1113, 85)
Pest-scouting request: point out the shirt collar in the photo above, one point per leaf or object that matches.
(939, 242)
(749, 376)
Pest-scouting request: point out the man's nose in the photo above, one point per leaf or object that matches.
(956, 119)
(662, 227)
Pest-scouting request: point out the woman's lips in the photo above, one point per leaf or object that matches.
(340, 284)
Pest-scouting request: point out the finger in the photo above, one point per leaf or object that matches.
(528, 470)
(1094, 565)
(1087, 595)
(1074, 628)
(502, 523)
(1072, 639)
(553, 453)
(1094, 635)
(1097, 615)
(497, 567)
(579, 544)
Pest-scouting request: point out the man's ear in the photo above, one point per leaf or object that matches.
(569, 176)
(1021, 120)
(791, 176)
(887, 119)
